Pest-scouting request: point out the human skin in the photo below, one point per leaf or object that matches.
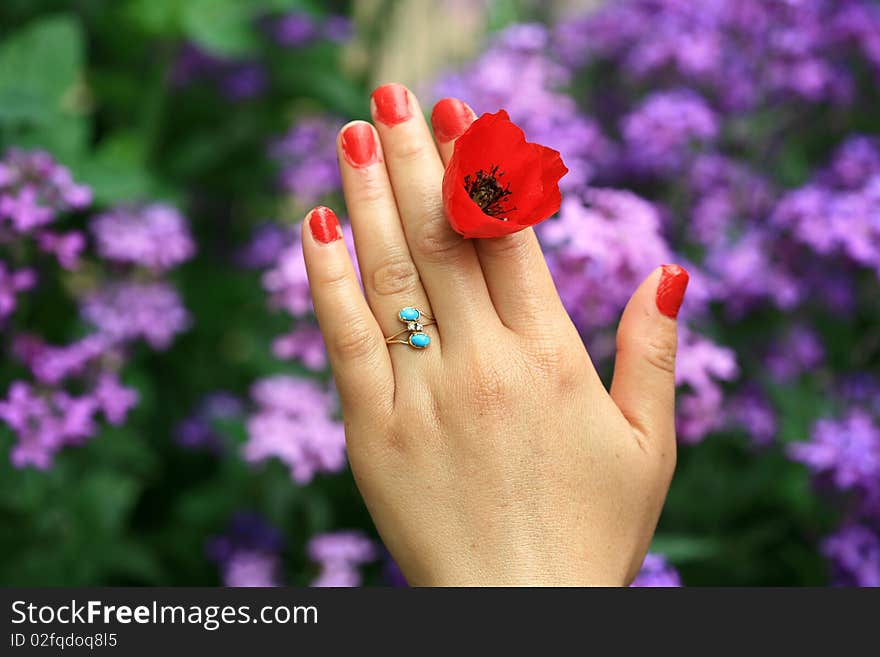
(495, 456)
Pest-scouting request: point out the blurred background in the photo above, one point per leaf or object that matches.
(166, 412)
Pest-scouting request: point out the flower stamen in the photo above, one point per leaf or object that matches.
(486, 191)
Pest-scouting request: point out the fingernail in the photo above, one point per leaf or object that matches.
(359, 145)
(670, 290)
(324, 225)
(392, 104)
(450, 119)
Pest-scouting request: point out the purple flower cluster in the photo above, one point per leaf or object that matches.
(846, 451)
(127, 311)
(306, 155)
(656, 571)
(294, 422)
(744, 53)
(844, 455)
(659, 133)
(35, 189)
(854, 552)
(248, 553)
(339, 556)
(155, 236)
(76, 382)
(838, 214)
(45, 421)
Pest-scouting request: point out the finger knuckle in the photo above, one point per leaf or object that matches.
(409, 149)
(335, 279)
(660, 353)
(356, 342)
(371, 192)
(435, 240)
(395, 275)
(509, 247)
(551, 360)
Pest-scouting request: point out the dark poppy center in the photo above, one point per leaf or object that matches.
(486, 190)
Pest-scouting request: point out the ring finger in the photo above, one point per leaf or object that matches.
(391, 280)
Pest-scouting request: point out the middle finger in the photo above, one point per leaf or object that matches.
(447, 263)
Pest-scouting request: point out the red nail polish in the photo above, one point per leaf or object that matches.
(450, 119)
(359, 145)
(392, 104)
(324, 225)
(670, 290)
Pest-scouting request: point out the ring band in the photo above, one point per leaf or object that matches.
(415, 321)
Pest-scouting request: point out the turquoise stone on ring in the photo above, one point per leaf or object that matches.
(409, 314)
(419, 340)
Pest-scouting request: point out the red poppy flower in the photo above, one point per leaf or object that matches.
(497, 183)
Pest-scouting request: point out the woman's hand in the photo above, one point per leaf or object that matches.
(495, 455)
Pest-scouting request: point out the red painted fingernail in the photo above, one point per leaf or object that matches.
(359, 145)
(450, 119)
(324, 225)
(392, 104)
(670, 290)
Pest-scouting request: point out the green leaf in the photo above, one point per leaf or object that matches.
(116, 171)
(222, 27)
(156, 17)
(39, 65)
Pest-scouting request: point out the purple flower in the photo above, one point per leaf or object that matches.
(114, 399)
(339, 555)
(46, 420)
(294, 29)
(727, 197)
(660, 132)
(854, 552)
(66, 247)
(51, 364)
(700, 365)
(248, 552)
(305, 344)
(265, 247)
(799, 351)
(656, 572)
(732, 265)
(35, 189)
(599, 249)
(751, 411)
(155, 236)
(287, 282)
(846, 450)
(307, 157)
(129, 311)
(11, 283)
(294, 423)
(252, 570)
